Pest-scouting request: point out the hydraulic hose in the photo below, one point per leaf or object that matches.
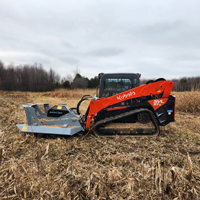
(79, 103)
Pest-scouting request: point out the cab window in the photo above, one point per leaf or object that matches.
(113, 86)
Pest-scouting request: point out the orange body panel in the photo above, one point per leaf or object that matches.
(156, 89)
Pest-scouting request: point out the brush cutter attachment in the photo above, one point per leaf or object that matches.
(60, 119)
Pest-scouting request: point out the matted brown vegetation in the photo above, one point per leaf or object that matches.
(188, 102)
(69, 94)
(86, 167)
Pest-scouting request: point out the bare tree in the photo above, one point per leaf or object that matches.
(76, 71)
(69, 78)
(27, 78)
(2, 71)
(79, 83)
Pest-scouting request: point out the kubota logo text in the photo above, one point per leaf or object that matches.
(124, 96)
(158, 102)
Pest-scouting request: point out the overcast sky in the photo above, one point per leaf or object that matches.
(155, 38)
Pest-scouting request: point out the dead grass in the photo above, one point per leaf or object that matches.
(86, 167)
(188, 102)
(69, 94)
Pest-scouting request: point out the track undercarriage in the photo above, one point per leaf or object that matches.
(145, 124)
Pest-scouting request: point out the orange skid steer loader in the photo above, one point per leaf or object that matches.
(121, 107)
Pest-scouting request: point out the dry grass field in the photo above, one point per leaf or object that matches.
(87, 167)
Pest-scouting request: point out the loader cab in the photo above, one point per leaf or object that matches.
(111, 84)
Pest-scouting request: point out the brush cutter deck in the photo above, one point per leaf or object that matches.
(59, 120)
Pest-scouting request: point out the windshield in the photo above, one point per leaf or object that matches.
(116, 84)
(113, 86)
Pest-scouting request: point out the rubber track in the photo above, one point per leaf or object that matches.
(110, 119)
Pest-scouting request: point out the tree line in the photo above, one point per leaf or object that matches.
(27, 78)
(34, 78)
(187, 84)
(81, 82)
(183, 84)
